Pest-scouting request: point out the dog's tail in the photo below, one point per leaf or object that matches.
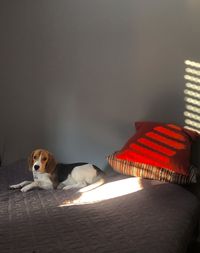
(99, 180)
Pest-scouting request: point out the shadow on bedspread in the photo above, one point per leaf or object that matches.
(157, 218)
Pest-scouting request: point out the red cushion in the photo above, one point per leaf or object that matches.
(158, 144)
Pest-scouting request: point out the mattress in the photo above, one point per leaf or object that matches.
(155, 217)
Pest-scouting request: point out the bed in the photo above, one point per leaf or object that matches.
(155, 217)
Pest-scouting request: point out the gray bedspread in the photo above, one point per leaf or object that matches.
(158, 218)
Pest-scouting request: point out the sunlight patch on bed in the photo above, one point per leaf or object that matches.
(192, 95)
(107, 191)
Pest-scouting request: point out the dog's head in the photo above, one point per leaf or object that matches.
(42, 161)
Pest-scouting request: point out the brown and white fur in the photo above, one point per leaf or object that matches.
(48, 174)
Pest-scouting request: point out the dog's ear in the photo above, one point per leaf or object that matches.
(51, 164)
(30, 161)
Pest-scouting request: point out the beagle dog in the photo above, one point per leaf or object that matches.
(48, 174)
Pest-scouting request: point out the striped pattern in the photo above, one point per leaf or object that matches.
(151, 172)
(192, 95)
(160, 145)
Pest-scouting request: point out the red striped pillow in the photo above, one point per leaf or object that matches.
(165, 147)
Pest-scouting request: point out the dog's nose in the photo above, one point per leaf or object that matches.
(36, 167)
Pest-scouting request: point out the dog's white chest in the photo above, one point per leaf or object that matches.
(41, 177)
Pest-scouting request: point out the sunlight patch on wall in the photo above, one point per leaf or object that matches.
(192, 64)
(107, 191)
(192, 86)
(192, 95)
(192, 78)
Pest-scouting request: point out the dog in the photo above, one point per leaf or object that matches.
(48, 174)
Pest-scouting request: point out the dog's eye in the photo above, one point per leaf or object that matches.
(44, 159)
(34, 157)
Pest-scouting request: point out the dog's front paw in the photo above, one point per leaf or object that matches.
(25, 188)
(14, 186)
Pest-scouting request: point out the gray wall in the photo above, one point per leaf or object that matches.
(76, 74)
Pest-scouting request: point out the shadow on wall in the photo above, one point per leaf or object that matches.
(23, 130)
(168, 106)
